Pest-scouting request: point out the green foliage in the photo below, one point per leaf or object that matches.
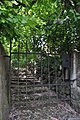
(45, 25)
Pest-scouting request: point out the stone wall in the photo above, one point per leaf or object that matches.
(4, 78)
(75, 80)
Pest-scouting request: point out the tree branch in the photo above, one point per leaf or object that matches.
(2, 1)
(20, 4)
(24, 5)
(33, 2)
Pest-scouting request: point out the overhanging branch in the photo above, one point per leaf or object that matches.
(24, 5)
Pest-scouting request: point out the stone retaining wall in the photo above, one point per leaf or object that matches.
(4, 80)
(75, 80)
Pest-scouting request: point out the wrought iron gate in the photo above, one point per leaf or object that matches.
(36, 77)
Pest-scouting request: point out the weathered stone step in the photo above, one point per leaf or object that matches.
(23, 78)
(74, 118)
(29, 84)
(29, 98)
(21, 82)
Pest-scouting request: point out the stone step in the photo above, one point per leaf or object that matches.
(26, 84)
(23, 78)
(74, 118)
(21, 82)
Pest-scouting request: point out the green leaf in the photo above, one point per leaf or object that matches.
(32, 22)
(2, 20)
(10, 20)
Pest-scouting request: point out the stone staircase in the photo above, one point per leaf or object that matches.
(31, 100)
(26, 87)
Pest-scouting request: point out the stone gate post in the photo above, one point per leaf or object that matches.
(75, 79)
(4, 107)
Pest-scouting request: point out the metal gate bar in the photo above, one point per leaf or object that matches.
(27, 86)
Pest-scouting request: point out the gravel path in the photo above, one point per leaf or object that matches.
(49, 110)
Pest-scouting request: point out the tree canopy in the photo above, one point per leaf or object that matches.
(51, 23)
